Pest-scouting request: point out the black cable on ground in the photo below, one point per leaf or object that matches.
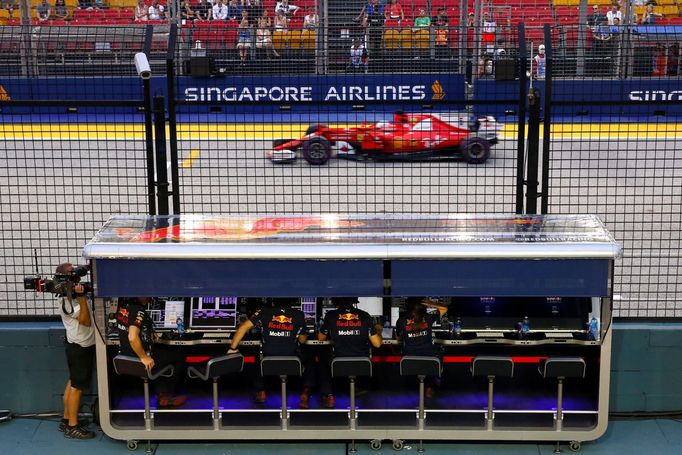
(634, 415)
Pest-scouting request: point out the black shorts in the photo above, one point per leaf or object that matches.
(81, 364)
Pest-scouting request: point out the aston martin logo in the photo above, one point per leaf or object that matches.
(4, 96)
(438, 92)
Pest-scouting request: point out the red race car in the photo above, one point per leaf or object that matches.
(407, 137)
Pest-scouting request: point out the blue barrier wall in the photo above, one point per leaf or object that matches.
(646, 373)
(380, 92)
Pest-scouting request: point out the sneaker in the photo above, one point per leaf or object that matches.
(328, 401)
(63, 424)
(305, 398)
(167, 400)
(78, 433)
(260, 397)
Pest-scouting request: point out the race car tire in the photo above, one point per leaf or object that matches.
(277, 142)
(312, 128)
(475, 150)
(317, 150)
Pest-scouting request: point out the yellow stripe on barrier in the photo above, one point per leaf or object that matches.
(269, 131)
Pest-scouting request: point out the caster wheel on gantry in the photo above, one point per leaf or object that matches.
(132, 444)
(375, 444)
(398, 444)
(575, 446)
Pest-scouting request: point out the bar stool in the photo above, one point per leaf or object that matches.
(561, 368)
(421, 367)
(351, 368)
(492, 367)
(282, 366)
(125, 365)
(214, 369)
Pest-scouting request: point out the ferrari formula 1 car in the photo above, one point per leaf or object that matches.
(407, 137)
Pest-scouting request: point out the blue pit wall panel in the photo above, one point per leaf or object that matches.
(645, 373)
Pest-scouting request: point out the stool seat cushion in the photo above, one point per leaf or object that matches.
(281, 366)
(498, 366)
(562, 367)
(126, 365)
(351, 367)
(217, 367)
(420, 366)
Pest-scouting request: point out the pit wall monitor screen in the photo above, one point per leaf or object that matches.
(214, 313)
(309, 309)
(165, 313)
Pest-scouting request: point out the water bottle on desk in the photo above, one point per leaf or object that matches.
(525, 327)
(593, 332)
(180, 327)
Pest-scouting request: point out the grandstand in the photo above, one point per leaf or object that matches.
(455, 41)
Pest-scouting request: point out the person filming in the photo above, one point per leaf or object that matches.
(80, 353)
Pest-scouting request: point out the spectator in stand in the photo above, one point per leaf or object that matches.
(489, 31)
(61, 12)
(186, 11)
(440, 23)
(234, 10)
(375, 23)
(281, 21)
(540, 63)
(43, 11)
(602, 32)
(358, 56)
(660, 61)
(156, 12)
(219, 11)
(141, 12)
(422, 20)
(613, 13)
(285, 8)
(500, 52)
(254, 9)
(264, 37)
(395, 11)
(266, 17)
(596, 18)
(203, 10)
(649, 17)
(244, 43)
(311, 20)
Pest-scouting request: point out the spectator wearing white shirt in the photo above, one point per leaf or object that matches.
(286, 8)
(220, 11)
(156, 12)
(311, 20)
(613, 14)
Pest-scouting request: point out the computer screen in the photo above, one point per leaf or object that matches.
(214, 313)
(166, 312)
(309, 308)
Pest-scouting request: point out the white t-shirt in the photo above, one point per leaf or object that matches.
(220, 11)
(610, 16)
(286, 9)
(155, 13)
(75, 332)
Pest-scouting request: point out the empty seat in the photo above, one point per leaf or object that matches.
(214, 370)
(351, 368)
(492, 367)
(561, 368)
(282, 366)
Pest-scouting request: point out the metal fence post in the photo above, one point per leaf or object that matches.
(172, 121)
(521, 126)
(547, 119)
(149, 145)
(533, 151)
(161, 156)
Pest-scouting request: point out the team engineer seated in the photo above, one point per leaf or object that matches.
(352, 333)
(283, 332)
(136, 335)
(415, 330)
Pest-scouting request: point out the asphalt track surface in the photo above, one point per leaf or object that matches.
(59, 192)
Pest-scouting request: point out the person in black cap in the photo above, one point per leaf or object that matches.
(283, 331)
(415, 330)
(136, 335)
(352, 332)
